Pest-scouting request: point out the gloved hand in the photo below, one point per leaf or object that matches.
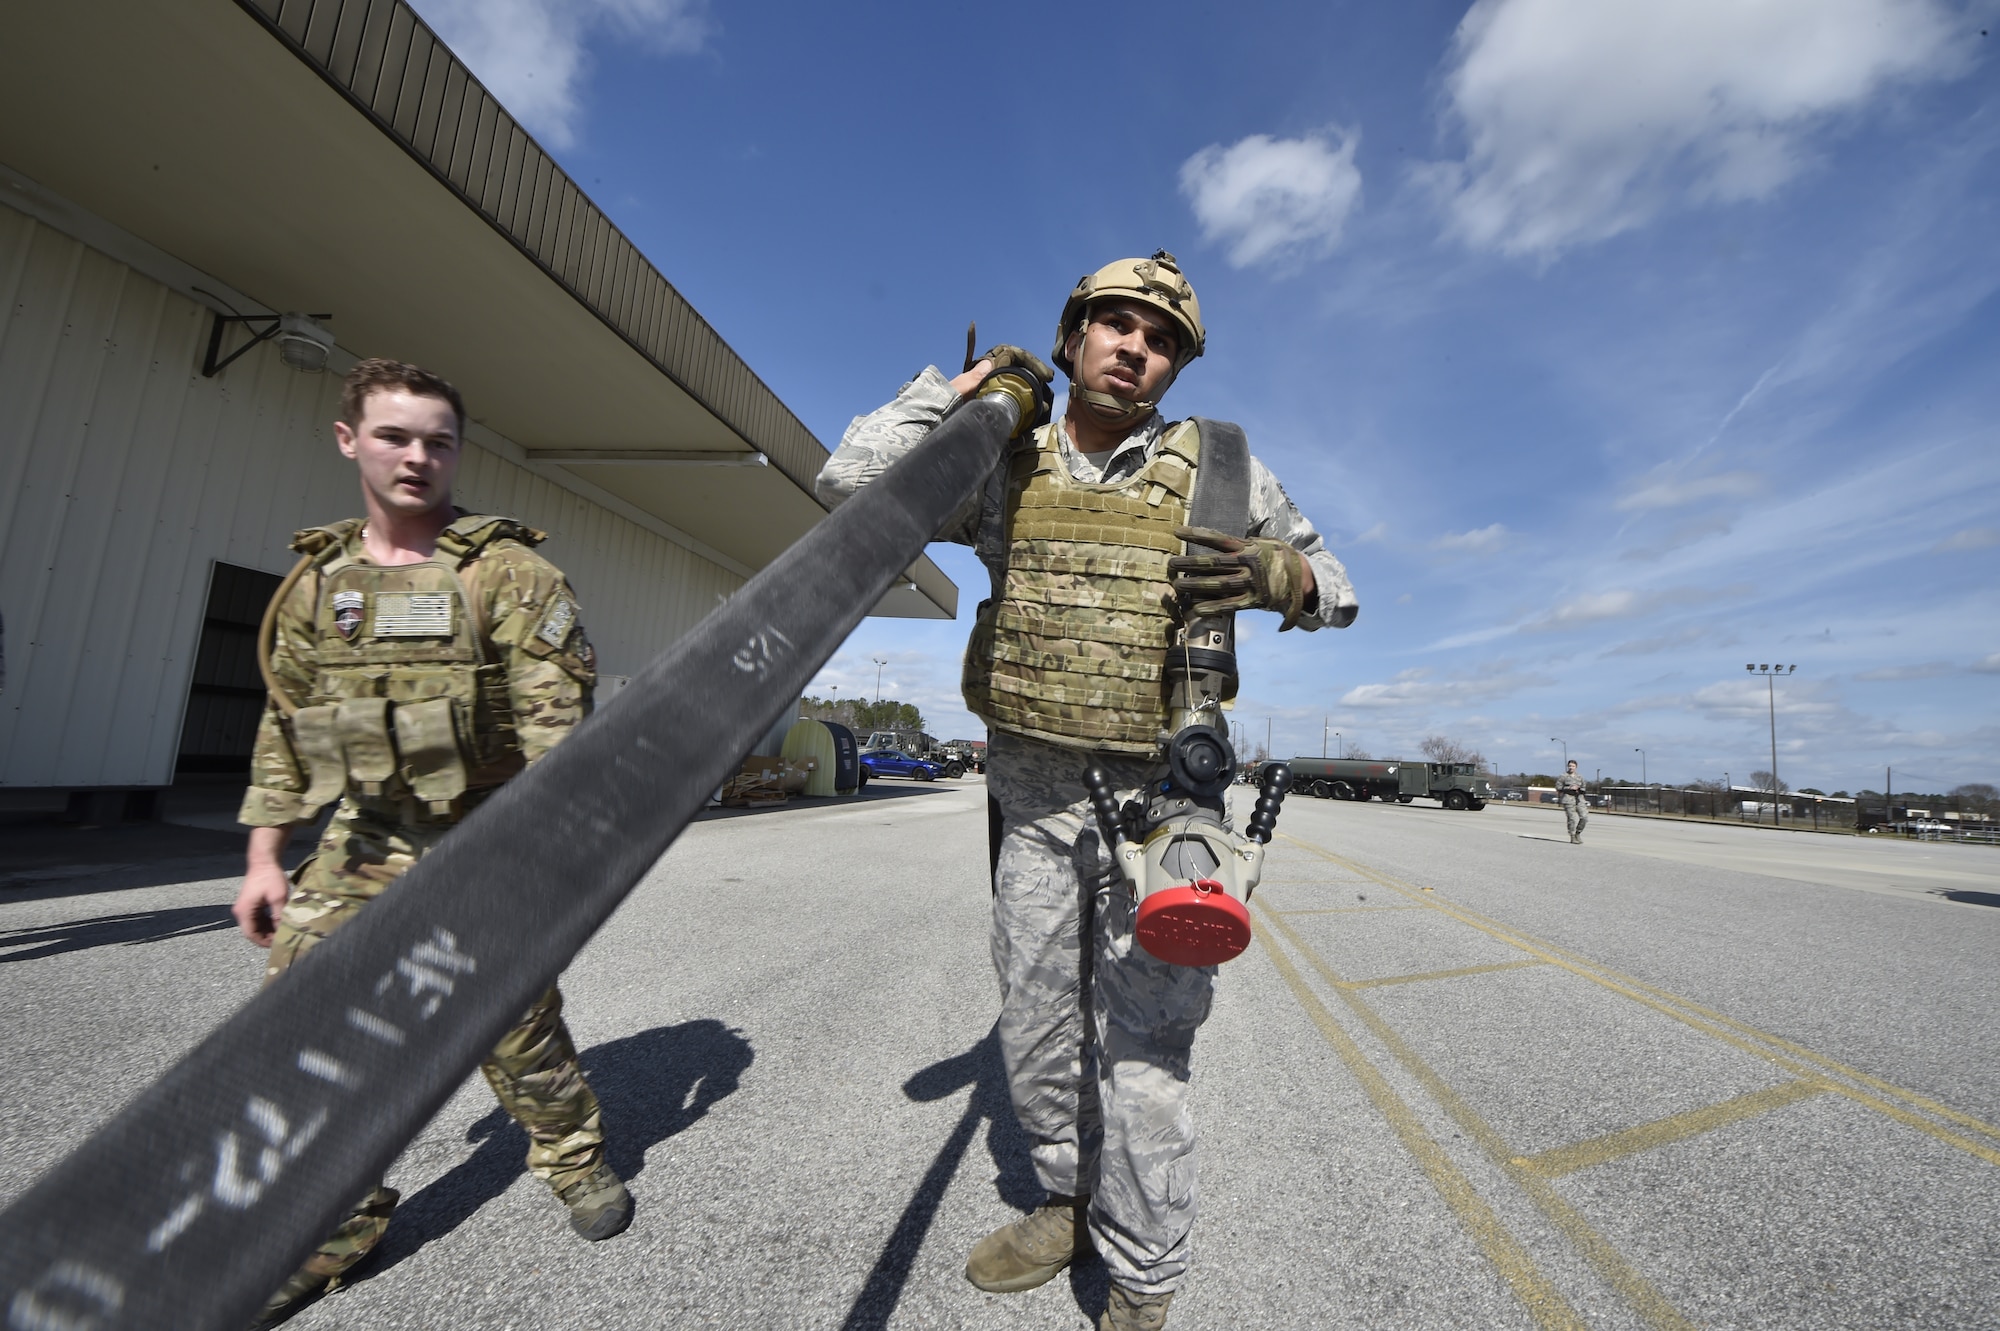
(1252, 574)
(1004, 356)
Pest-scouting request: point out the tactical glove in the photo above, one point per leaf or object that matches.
(1253, 574)
(1004, 356)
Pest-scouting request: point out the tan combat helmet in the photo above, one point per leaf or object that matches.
(1157, 282)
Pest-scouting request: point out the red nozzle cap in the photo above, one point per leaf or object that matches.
(1196, 925)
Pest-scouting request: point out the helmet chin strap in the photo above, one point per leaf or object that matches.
(1113, 413)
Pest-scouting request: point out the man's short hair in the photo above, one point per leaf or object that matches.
(380, 375)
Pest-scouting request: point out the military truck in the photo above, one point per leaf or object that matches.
(1392, 780)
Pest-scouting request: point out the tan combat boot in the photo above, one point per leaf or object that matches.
(1032, 1250)
(1126, 1311)
(326, 1270)
(599, 1206)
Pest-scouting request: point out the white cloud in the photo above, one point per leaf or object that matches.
(1673, 494)
(1972, 538)
(1417, 688)
(1928, 670)
(1751, 700)
(531, 54)
(1479, 541)
(1686, 534)
(1622, 603)
(1591, 607)
(1264, 198)
(1378, 532)
(1690, 636)
(1988, 665)
(1584, 118)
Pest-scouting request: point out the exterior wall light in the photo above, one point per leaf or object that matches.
(303, 344)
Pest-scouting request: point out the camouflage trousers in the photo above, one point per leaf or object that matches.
(1574, 815)
(1095, 1032)
(533, 1070)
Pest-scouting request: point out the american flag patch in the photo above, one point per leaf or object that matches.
(413, 614)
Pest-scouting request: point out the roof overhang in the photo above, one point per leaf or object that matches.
(335, 157)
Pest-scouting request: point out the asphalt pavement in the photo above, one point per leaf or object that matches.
(1468, 1075)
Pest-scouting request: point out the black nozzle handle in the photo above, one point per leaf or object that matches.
(1270, 798)
(1097, 785)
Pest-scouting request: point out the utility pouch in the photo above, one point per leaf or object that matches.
(314, 740)
(363, 727)
(975, 682)
(428, 739)
(491, 724)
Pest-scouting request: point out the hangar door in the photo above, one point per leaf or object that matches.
(227, 694)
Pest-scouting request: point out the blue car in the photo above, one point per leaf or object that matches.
(894, 762)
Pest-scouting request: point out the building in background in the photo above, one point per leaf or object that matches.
(208, 210)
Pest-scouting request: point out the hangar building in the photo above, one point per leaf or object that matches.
(198, 201)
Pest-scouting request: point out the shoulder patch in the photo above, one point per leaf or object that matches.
(557, 621)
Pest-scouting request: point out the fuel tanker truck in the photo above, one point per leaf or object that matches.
(1392, 780)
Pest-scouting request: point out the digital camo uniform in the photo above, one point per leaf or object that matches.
(1105, 1116)
(418, 690)
(1569, 794)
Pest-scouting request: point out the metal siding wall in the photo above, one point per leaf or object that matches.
(124, 475)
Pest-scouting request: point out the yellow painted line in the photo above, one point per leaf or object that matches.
(1665, 1131)
(1514, 1263)
(1441, 975)
(1736, 1034)
(1923, 1102)
(1610, 1264)
(1341, 910)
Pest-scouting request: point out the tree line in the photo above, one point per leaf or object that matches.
(862, 717)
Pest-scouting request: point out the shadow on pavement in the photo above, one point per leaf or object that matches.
(1969, 898)
(874, 792)
(980, 1068)
(652, 1085)
(146, 926)
(45, 858)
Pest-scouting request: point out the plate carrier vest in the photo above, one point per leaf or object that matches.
(408, 695)
(1073, 649)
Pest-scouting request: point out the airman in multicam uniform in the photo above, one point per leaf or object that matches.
(416, 660)
(1082, 532)
(1569, 794)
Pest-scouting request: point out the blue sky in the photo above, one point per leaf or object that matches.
(1613, 345)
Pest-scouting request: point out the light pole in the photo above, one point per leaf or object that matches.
(1267, 738)
(1324, 722)
(1770, 674)
(1339, 746)
(879, 661)
(1565, 744)
(1642, 766)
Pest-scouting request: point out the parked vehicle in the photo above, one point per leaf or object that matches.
(895, 762)
(969, 756)
(1392, 780)
(919, 745)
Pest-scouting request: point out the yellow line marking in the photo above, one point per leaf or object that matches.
(1342, 910)
(1922, 1102)
(1514, 1263)
(1663, 1132)
(1750, 1040)
(1441, 975)
(1609, 1263)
